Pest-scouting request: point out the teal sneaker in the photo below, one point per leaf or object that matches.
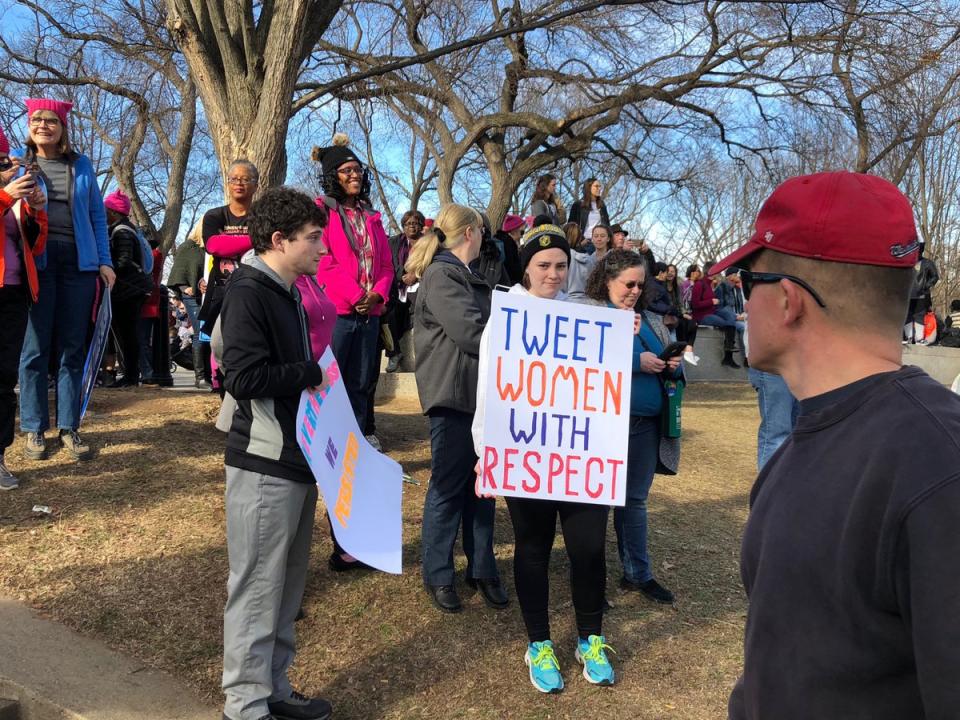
(591, 653)
(544, 668)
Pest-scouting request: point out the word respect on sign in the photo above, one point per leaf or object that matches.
(557, 388)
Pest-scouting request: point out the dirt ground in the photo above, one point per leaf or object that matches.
(134, 554)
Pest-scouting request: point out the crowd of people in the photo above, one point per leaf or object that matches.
(847, 551)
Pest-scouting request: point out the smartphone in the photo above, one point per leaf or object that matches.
(673, 350)
(30, 169)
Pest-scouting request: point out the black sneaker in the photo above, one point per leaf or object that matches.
(651, 589)
(299, 707)
(393, 364)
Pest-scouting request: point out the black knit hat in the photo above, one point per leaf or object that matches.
(333, 156)
(542, 237)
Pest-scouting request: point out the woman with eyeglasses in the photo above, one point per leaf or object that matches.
(225, 240)
(590, 210)
(358, 271)
(453, 305)
(23, 237)
(356, 274)
(618, 281)
(545, 257)
(77, 253)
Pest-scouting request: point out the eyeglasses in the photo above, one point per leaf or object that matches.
(630, 284)
(749, 278)
(413, 223)
(353, 170)
(37, 121)
(241, 181)
(6, 163)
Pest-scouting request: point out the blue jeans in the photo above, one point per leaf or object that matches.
(451, 501)
(354, 346)
(192, 307)
(724, 319)
(778, 413)
(630, 521)
(59, 319)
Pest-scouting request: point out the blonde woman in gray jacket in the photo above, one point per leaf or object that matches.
(453, 305)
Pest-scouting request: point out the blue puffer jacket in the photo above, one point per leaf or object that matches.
(89, 215)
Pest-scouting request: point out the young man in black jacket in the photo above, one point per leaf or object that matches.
(850, 553)
(271, 495)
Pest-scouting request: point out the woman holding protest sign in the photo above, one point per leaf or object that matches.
(453, 305)
(619, 281)
(545, 259)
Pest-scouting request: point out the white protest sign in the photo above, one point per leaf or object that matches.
(361, 488)
(557, 419)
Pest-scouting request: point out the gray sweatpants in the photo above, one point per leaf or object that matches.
(269, 528)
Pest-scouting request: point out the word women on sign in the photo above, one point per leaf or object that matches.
(557, 401)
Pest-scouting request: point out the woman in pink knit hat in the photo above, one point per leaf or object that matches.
(23, 235)
(77, 253)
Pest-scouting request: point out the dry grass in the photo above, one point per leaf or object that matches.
(134, 554)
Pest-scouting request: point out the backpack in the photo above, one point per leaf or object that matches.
(133, 281)
(146, 252)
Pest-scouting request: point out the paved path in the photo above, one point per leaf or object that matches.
(56, 674)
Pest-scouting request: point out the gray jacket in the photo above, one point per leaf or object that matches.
(581, 265)
(453, 305)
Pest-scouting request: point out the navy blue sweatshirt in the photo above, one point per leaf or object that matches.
(851, 560)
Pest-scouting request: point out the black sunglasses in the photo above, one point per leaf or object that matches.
(750, 278)
(5, 164)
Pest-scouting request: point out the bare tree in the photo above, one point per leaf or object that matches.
(86, 52)
(541, 98)
(246, 57)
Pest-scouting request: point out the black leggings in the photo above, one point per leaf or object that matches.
(584, 534)
(126, 315)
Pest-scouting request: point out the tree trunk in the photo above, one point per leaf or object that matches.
(246, 65)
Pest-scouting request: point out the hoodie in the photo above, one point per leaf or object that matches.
(267, 363)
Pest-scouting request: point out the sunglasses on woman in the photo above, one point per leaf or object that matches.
(749, 278)
(6, 163)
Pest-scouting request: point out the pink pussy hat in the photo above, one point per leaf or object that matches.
(118, 202)
(58, 107)
(4, 144)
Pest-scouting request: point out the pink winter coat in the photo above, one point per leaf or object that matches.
(339, 271)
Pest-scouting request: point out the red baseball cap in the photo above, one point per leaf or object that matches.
(837, 217)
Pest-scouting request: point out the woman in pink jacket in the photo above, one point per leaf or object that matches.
(357, 272)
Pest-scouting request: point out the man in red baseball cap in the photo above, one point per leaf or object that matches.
(850, 555)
